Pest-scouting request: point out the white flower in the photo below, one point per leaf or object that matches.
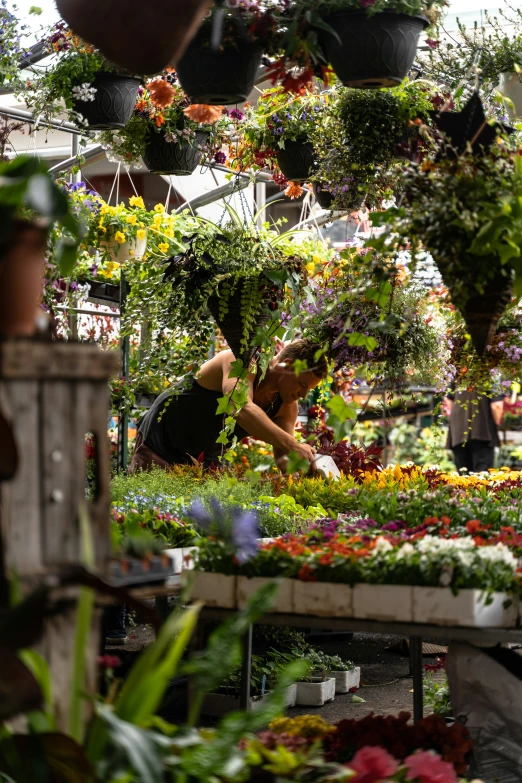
(382, 545)
(84, 92)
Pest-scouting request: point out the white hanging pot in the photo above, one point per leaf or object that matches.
(132, 249)
(511, 86)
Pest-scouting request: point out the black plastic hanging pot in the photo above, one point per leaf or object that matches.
(372, 51)
(231, 322)
(323, 197)
(219, 77)
(297, 160)
(113, 102)
(179, 158)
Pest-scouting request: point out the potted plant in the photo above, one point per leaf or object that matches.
(224, 72)
(465, 211)
(120, 233)
(162, 131)
(277, 132)
(13, 51)
(361, 140)
(93, 92)
(368, 45)
(30, 203)
(240, 274)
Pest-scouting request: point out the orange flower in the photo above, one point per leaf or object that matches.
(307, 574)
(326, 559)
(294, 190)
(159, 120)
(205, 115)
(445, 520)
(473, 526)
(161, 93)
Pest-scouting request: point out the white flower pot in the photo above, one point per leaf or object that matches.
(176, 555)
(390, 603)
(438, 606)
(345, 681)
(291, 695)
(284, 599)
(511, 86)
(213, 589)
(323, 599)
(132, 249)
(315, 694)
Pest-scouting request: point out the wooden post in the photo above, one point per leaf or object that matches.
(54, 394)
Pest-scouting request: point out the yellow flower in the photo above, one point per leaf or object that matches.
(141, 234)
(137, 201)
(119, 237)
(158, 219)
(131, 219)
(163, 247)
(141, 224)
(100, 222)
(159, 208)
(169, 232)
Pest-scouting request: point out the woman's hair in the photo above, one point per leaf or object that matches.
(305, 351)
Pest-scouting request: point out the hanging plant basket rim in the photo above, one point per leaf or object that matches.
(379, 15)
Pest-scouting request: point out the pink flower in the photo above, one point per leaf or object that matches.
(432, 44)
(427, 767)
(366, 3)
(372, 765)
(108, 661)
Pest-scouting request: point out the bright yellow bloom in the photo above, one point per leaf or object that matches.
(159, 208)
(141, 234)
(100, 222)
(131, 219)
(105, 210)
(169, 232)
(141, 224)
(163, 247)
(157, 221)
(119, 237)
(137, 201)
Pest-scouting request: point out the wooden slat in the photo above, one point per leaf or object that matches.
(56, 360)
(21, 507)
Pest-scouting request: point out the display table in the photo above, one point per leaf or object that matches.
(415, 632)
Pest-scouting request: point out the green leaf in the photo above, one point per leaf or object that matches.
(296, 463)
(237, 369)
(342, 409)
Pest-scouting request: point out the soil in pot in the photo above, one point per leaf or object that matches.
(179, 158)
(21, 279)
(372, 51)
(113, 103)
(219, 77)
(297, 160)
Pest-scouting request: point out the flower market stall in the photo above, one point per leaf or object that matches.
(300, 223)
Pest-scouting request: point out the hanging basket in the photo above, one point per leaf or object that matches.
(141, 38)
(481, 312)
(219, 77)
(231, 323)
(134, 249)
(297, 160)
(372, 51)
(179, 158)
(113, 104)
(323, 197)
(22, 265)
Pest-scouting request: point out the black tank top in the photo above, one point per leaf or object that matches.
(183, 423)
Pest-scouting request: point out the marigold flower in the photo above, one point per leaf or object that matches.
(203, 114)
(161, 93)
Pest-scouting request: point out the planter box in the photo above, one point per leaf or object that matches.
(390, 603)
(315, 694)
(214, 589)
(345, 681)
(283, 601)
(438, 606)
(323, 599)
(291, 695)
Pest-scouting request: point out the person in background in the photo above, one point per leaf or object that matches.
(473, 429)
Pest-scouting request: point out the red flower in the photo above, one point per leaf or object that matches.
(108, 661)
(427, 767)
(372, 764)
(473, 526)
(307, 574)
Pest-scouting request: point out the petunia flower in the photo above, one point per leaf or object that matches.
(203, 114)
(161, 93)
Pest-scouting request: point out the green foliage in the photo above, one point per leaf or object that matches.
(436, 695)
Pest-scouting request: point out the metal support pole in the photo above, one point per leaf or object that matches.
(260, 196)
(75, 149)
(416, 670)
(123, 418)
(246, 670)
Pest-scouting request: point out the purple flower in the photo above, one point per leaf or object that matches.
(236, 114)
(245, 534)
(220, 157)
(199, 514)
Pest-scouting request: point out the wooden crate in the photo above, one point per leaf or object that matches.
(54, 394)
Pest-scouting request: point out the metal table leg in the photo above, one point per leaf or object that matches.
(246, 670)
(416, 669)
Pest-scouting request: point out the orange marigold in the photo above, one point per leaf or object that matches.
(294, 190)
